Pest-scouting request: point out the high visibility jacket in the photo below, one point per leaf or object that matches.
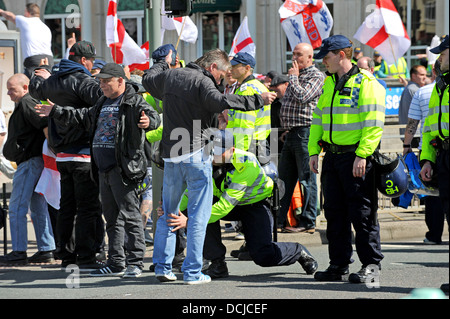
(393, 71)
(376, 69)
(246, 183)
(253, 124)
(354, 115)
(436, 123)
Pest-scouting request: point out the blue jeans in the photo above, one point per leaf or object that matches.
(24, 197)
(195, 175)
(293, 167)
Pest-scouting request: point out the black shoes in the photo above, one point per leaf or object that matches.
(217, 269)
(307, 261)
(367, 274)
(42, 257)
(332, 273)
(14, 258)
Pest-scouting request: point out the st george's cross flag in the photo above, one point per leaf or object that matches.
(123, 48)
(186, 29)
(306, 21)
(384, 31)
(243, 41)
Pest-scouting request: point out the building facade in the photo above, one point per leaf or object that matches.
(218, 20)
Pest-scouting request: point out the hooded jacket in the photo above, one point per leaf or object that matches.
(73, 85)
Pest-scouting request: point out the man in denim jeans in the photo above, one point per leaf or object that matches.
(191, 99)
(297, 105)
(24, 146)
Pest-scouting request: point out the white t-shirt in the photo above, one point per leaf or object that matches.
(35, 36)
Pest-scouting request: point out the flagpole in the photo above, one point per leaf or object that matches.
(393, 53)
(181, 32)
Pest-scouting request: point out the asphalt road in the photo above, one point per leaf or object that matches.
(407, 265)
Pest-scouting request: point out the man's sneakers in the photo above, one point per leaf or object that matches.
(108, 270)
(170, 277)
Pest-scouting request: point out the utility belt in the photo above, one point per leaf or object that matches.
(334, 148)
(440, 144)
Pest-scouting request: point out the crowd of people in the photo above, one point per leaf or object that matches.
(212, 120)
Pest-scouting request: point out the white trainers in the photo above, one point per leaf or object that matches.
(166, 277)
(132, 271)
(203, 279)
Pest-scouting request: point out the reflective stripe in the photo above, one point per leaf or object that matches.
(372, 108)
(353, 126)
(435, 110)
(231, 200)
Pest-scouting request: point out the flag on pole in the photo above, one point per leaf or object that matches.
(384, 31)
(49, 184)
(123, 48)
(186, 29)
(306, 21)
(142, 66)
(242, 41)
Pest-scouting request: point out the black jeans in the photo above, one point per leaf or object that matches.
(79, 205)
(120, 204)
(257, 222)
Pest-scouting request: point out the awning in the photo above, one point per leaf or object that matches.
(216, 5)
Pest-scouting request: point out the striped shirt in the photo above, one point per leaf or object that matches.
(419, 106)
(301, 98)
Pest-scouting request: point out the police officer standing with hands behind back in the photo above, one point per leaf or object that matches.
(348, 123)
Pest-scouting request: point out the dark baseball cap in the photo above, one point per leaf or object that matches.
(222, 141)
(84, 49)
(243, 58)
(442, 47)
(279, 79)
(334, 42)
(163, 51)
(357, 50)
(111, 70)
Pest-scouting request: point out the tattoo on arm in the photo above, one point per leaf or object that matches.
(412, 126)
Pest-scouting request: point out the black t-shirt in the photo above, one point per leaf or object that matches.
(25, 132)
(103, 145)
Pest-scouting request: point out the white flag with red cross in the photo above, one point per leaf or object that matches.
(384, 31)
(242, 41)
(123, 48)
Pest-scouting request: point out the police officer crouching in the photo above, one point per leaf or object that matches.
(242, 191)
(348, 124)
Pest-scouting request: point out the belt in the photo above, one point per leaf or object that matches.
(441, 144)
(334, 148)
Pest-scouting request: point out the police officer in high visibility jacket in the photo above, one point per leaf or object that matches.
(434, 157)
(348, 123)
(241, 193)
(251, 129)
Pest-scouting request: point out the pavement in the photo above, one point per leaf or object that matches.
(393, 226)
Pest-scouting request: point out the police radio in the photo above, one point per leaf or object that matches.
(442, 81)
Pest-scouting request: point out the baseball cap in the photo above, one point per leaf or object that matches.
(244, 58)
(222, 141)
(334, 42)
(98, 64)
(111, 70)
(84, 49)
(163, 51)
(358, 50)
(439, 49)
(376, 53)
(279, 79)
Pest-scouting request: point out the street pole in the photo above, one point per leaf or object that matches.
(152, 13)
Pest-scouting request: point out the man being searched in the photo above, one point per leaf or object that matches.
(191, 100)
(80, 207)
(348, 123)
(242, 190)
(116, 125)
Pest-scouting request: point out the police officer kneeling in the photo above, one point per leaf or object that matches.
(348, 123)
(242, 192)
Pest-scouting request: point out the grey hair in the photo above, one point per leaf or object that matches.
(216, 56)
(370, 63)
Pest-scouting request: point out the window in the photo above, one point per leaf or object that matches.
(63, 19)
(218, 30)
(131, 13)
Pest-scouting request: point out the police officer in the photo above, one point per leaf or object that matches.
(348, 123)
(241, 191)
(250, 128)
(434, 158)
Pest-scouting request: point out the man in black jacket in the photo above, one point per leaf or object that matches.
(74, 86)
(191, 99)
(116, 125)
(24, 146)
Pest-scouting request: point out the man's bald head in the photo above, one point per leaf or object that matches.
(303, 53)
(17, 86)
(366, 63)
